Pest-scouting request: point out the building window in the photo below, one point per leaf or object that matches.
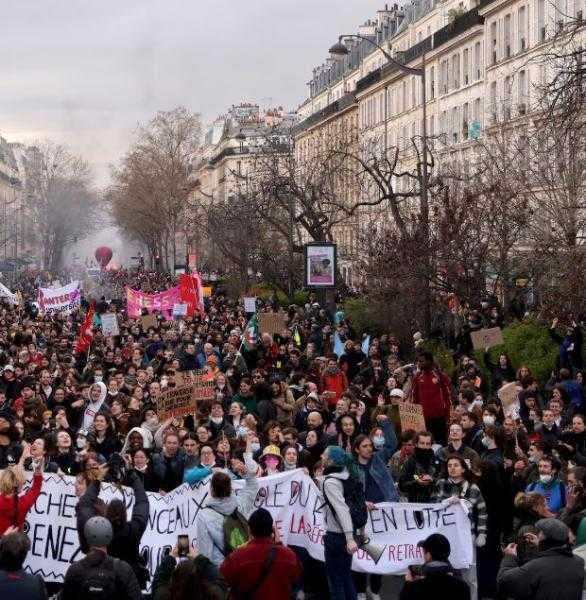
(389, 102)
(477, 61)
(541, 20)
(522, 17)
(507, 99)
(381, 107)
(465, 117)
(403, 96)
(522, 107)
(493, 104)
(456, 71)
(413, 93)
(431, 83)
(465, 67)
(507, 36)
(493, 43)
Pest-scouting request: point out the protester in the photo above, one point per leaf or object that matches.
(263, 568)
(437, 578)
(553, 573)
(98, 574)
(15, 583)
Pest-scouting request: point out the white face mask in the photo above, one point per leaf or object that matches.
(545, 478)
(255, 446)
(81, 443)
(488, 420)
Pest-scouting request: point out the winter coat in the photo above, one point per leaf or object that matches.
(243, 568)
(438, 583)
(18, 585)
(209, 573)
(338, 520)
(378, 464)
(553, 574)
(14, 513)
(210, 520)
(169, 469)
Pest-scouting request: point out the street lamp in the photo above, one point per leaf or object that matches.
(338, 51)
(241, 139)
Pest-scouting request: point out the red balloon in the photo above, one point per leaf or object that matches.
(103, 255)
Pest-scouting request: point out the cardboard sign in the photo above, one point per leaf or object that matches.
(272, 323)
(148, 321)
(411, 416)
(175, 402)
(207, 291)
(486, 338)
(110, 324)
(179, 310)
(508, 395)
(250, 304)
(203, 388)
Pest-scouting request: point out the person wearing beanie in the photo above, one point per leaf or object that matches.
(263, 568)
(98, 573)
(554, 573)
(339, 542)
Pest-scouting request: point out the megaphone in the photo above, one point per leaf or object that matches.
(375, 552)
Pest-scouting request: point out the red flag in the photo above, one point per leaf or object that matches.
(85, 333)
(190, 293)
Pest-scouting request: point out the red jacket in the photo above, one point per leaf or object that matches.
(25, 503)
(337, 383)
(243, 567)
(433, 390)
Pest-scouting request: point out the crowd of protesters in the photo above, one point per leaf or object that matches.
(290, 401)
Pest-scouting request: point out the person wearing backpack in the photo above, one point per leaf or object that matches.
(345, 516)
(221, 525)
(99, 576)
(263, 568)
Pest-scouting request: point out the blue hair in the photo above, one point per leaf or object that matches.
(341, 458)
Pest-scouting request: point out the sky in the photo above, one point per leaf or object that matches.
(86, 72)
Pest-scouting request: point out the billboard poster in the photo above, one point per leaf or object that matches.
(320, 265)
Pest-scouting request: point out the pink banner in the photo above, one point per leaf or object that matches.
(161, 301)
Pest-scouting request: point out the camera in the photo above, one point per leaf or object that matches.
(116, 468)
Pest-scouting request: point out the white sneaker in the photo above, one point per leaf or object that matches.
(374, 596)
(361, 596)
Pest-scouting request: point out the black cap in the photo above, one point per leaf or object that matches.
(437, 545)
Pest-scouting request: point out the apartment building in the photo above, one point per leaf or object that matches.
(483, 62)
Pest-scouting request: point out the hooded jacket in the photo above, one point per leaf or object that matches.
(210, 520)
(91, 409)
(339, 521)
(147, 439)
(438, 582)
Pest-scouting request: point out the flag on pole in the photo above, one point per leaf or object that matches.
(250, 336)
(366, 345)
(338, 345)
(85, 333)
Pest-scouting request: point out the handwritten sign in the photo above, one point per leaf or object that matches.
(110, 324)
(250, 304)
(411, 416)
(203, 388)
(272, 323)
(508, 395)
(148, 322)
(176, 402)
(486, 338)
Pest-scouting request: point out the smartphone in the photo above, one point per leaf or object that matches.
(416, 570)
(183, 545)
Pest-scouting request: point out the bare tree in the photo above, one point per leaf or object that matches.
(153, 182)
(60, 199)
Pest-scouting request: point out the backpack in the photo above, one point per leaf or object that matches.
(100, 581)
(355, 500)
(236, 531)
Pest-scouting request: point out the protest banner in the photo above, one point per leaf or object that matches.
(160, 301)
(7, 295)
(292, 498)
(272, 323)
(411, 416)
(109, 324)
(148, 321)
(59, 299)
(486, 338)
(175, 402)
(508, 395)
(250, 304)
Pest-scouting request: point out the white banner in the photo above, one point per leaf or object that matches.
(292, 498)
(6, 293)
(61, 299)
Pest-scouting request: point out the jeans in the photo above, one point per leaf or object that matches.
(338, 567)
